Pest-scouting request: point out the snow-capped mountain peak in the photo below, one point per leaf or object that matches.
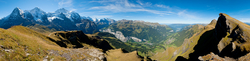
(28, 15)
(37, 13)
(95, 19)
(62, 10)
(70, 15)
(60, 19)
(75, 16)
(17, 11)
(37, 10)
(89, 18)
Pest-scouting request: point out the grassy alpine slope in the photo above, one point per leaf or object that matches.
(142, 48)
(173, 52)
(178, 38)
(21, 43)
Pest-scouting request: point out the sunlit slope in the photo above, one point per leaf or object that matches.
(172, 53)
(228, 39)
(120, 55)
(17, 43)
(178, 38)
(41, 29)
(21, 43)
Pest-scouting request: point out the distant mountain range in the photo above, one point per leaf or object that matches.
(61, 19)
(178, 27)
(247, 23)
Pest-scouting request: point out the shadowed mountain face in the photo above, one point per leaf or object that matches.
(229, 38)
(226, 39)
(75, 39)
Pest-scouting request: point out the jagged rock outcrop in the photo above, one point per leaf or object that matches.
(136, 39)
(224, 39)
(119, 35)
(229, 39)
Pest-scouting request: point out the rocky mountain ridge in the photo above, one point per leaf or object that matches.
(224, 39)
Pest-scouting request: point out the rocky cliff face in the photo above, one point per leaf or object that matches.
(119, 35)
(87, 26)
(224, 39)
(229, 40)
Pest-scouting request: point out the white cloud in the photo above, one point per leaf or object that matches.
(125, 6)
(73, 9)
(184, 14)
(143, 4)
(116, 6)
(101, 16)
(148, 4)
(65, 3)
(138, 1)
(162, 6)
(245, 19)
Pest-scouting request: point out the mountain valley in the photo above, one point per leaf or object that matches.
(66, 36)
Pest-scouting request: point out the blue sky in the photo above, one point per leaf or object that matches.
(161, 11)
